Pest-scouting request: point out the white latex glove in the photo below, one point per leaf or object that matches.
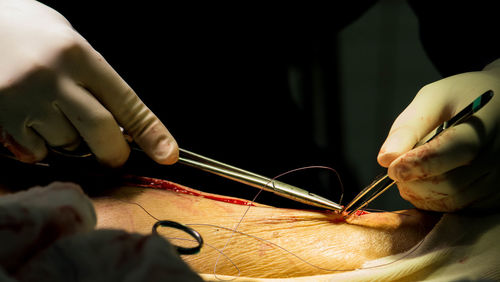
(55, 90)
(460, 167)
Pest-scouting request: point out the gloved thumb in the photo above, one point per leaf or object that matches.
(154, 138)
(424, 113)
(147, 130)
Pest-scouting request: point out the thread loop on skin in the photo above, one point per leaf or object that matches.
(235, 231)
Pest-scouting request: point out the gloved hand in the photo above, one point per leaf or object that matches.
(55, 90)
(460, 167)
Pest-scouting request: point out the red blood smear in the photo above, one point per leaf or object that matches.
(156, 183)
(360, 212)
(338, 219)
(356, 213)
(148, 182)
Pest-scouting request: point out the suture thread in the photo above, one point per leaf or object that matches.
(221, 252)
(234, 230)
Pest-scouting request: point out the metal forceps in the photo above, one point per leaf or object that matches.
(252, 179)
(381, 184)
(221, 169)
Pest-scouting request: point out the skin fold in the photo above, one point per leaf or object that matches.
(322, 238)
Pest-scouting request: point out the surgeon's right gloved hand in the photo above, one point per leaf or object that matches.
(56, 90)
(460, 168)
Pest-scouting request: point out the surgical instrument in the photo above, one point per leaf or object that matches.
(381, 184)
(193, 233)
(255, 180)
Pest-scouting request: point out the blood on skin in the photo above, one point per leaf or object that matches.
(360, 213)
(148, 182)
(342, 219)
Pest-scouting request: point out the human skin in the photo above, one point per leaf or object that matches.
(269, 240)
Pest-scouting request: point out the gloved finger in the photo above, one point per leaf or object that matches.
(95, 124)
(448, 192)
(23, 142)
(455, 147)
(130, 112)
(424, 113)
(56, 129)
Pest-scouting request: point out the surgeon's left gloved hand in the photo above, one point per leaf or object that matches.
(459, 168)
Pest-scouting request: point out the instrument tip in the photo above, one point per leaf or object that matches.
(325, 203)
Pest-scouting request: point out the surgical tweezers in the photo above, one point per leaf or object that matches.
(381, 184)
(255, 180)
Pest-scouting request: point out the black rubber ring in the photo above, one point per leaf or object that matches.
(188, 230)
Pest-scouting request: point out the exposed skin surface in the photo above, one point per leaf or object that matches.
(459, 247)
(320, 237)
